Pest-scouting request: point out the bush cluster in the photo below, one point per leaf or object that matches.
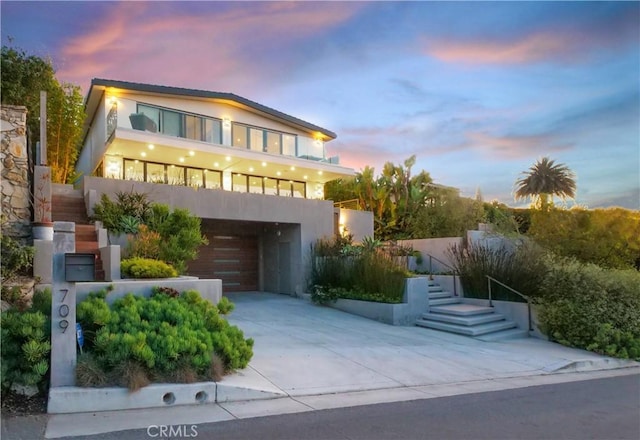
(357, 272)
(586, 306)
(17, 259)
(146, 268)
(26, 343)
(325, 295)
(158, 232)
(520, 265)
(140, 340)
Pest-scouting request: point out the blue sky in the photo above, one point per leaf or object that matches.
(477, 91)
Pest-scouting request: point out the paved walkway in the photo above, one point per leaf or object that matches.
(317, 357)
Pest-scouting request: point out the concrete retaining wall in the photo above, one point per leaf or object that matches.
(209, 289)
(415, 303)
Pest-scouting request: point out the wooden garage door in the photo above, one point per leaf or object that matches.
(232, 259)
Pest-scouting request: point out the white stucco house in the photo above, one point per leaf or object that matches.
(254, 175)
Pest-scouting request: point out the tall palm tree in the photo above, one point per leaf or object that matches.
(544, 180)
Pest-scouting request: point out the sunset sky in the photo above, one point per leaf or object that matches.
(477, 91)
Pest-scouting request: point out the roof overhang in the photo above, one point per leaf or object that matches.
(100, 86)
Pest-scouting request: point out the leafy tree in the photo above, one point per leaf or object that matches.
(447, 215)
(65, 116)
(544, 180)
(23, 77)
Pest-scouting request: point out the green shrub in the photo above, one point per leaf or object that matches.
(93, 313)
(326, 295)
(225, 306)
(26, 343)
(17, 259)
(586, 306)
(168, 291)
(146, 268)
(163, 338)
(124, 214)
(180, 235)
(606, 237)
(519, 265)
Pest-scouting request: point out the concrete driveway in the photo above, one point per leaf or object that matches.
(303, 349)
(308, 357)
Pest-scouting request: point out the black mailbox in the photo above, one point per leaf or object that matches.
(79, 267)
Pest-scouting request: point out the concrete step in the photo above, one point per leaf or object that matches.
(503, 335)
(442, 294)
(475, 330)
(65, 190)
(435, 288)
(444, 301)
(460, 309)
(87, 247)
(463, 320)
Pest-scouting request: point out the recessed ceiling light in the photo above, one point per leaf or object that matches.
(228, 159)
(143, 154)
(264, 164)
(293, 168)
(191, 153)
(251, 169)
(320, 173)
(306, 177)
(151, 146)
(181, 159)
(216, 164)
(279, 173)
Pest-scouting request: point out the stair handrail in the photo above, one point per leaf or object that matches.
(522, 295)
(453, 270)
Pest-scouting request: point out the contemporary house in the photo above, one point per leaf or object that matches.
(254, 175)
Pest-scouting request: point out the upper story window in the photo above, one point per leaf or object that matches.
(262, 139)
(184, 125)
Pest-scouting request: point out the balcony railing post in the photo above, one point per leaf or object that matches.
(529, 312)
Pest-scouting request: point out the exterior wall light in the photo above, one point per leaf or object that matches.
(226, 122)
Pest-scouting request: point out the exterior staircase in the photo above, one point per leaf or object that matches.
(68, 206)
(451, 314)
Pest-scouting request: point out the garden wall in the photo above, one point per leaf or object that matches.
(415, 303)
(436, 247)
(14, 166)
(210, 290)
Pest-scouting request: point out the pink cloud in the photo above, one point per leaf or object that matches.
(514, 147)
(216, 50)
(569, 43)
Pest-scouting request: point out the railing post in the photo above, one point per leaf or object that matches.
(430, 267)
(489, 284)
(529, 312)
(455, 288)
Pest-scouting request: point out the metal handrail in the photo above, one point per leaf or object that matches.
(453, 270)
(522, 295)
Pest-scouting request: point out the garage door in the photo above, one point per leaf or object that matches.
(233, 259)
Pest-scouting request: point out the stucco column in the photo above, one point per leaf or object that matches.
(63, 309)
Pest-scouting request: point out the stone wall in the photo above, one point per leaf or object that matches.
(14, 169)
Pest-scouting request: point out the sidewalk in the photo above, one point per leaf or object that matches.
(308, 357)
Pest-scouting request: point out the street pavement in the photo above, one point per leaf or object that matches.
(310, 357)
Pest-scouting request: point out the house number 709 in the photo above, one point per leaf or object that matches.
(63, 311)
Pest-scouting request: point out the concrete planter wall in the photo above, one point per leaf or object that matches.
(209, 289)
(415, 303)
